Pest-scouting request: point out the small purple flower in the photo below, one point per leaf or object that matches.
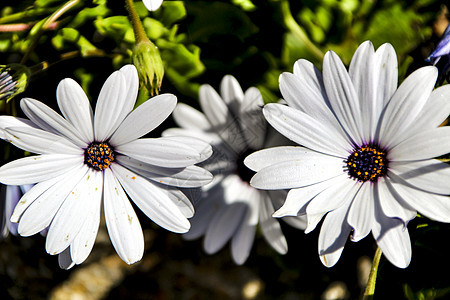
(442, 55)
(442, 49)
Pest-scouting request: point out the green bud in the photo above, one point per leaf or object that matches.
(13, 80)
(149, 64)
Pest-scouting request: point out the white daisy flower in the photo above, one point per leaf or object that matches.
(230, 209)
(152, 5)
(85, 160)
(366, 160)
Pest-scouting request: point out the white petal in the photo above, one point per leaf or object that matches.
(333, 235)
(41, 212)
(242, 240)
(111, 106)
(252, 119)
(29, 197)
(40, 141)
(10, 121)
(405, 105)
(270, 227)
(271, 156)
(342, 190)
(297, 199)
(179, 198)
(312, 221)
(206, 136)
(223, 225)
(213, 106)
(227, 220)
(313, 99)
(424, 145)
(190, 118)
(342, 96)
(73, 213)
(34, 169)
(392, 238)
(82, 245)
(203, 148)
(152, 5)
(64, 260)
(144, 119)
(364, 75)
(49, 120)
(231, 93)
(205, 210)
(164, 152)
(392, 204)
(132, 81)
(429, 175)
(123, 225)
(306, 130)
(433, 206)
(433, 114)
(386, 63)
(75, 107)
(298, 173)
(191, 176)
(361, 213)
(305, 92)
(151, 200)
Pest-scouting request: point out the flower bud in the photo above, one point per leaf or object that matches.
(149, 64)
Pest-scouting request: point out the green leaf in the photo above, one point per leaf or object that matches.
(72, 36)
(89, 13)
(116, 27)
(171, 12)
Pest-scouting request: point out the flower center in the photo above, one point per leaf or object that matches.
(99, 156)
(367, 163)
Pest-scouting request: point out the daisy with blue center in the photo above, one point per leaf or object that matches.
(86, 161)
(365, 163)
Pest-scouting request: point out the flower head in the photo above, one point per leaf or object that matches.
(365, 162)
(85, 160)
(13, 80)
(229, 208)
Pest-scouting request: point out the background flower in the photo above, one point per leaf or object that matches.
(229, 208)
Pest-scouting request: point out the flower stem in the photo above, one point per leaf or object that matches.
(370, 288)
(138, 29)
(293, 26)
(50, 20)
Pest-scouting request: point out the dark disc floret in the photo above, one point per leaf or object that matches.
(367, 163)
(99, 156)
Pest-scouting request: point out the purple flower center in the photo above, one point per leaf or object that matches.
(367, 163)
(99, 156)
